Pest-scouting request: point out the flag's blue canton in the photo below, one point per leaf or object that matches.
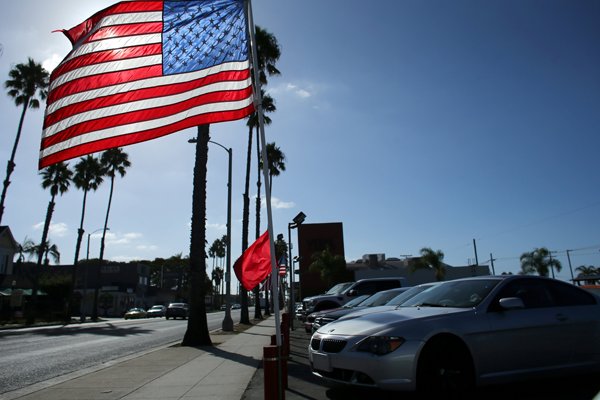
(201, 34)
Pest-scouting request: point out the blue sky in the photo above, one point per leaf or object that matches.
(414, 123)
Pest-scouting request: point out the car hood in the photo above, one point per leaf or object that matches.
(366, 310)
(372, 323)
(339, 312)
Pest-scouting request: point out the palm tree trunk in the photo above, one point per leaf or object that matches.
(41, 250)
(11, 163)
(197, 330)
(80, 233)
(244, 315)
(101, 258)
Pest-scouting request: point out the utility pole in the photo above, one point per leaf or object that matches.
(492, 263)
(570, 267)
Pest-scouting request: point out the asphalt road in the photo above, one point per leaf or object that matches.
(32, 355)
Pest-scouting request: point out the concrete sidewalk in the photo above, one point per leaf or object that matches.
(221, 372)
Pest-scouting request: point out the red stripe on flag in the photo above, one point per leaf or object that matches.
(104, 80)
(147, 114)
(142, 94)
(79, 31)
(126, 30)
(143, 136)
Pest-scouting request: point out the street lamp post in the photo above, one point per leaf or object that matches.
(298, 219)
(85, 274)
(227, 325)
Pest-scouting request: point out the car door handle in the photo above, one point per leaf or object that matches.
(561, 317)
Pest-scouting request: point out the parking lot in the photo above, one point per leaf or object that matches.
(302, 385)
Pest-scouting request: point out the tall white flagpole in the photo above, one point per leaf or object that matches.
(261, 124)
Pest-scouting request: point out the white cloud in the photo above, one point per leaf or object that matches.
(217, 227)
(295, 90)
(50, 63)
(127, 238)
(146, 247)
(279, 204)
(59, 229)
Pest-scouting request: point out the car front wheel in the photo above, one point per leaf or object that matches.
(445, 368)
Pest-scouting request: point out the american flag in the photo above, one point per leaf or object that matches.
(140, 70)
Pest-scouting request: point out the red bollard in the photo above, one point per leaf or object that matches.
(273, 390)
(284, 358)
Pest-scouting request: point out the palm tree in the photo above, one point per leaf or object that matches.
(591, 270)
(331, 267)
(212, 251)
(89, 174)
(268, 53)
(539, 261)
(26, 248)
(197, 330)
(432, 260)
(57, 177)
(268, 106)
(587, 271)
(26, 82)
(114, 161)
(276, 164)
(51, 250)
(276, 160)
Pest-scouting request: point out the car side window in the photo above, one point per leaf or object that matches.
(365, 288)
(533, 293)
(386, 285)
(565, 294)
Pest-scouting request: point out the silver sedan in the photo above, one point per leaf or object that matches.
(463, 333)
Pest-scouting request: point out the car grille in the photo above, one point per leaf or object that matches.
(315, 344)
(329, 345)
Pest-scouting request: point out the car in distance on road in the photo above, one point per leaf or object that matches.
(135, 313)
(466, 332)
(156, 311)
(177, 310)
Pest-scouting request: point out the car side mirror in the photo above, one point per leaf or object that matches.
(511, 303)
(352, 292)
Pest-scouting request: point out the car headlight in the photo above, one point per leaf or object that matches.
(380, 345)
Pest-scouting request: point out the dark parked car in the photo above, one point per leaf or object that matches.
(466, 332)
(177, 310)
(351, 305)
(376, 300)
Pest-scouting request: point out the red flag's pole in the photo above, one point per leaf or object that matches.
(261, 124)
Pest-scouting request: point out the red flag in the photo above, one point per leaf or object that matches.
(140, 70)
(255, 264)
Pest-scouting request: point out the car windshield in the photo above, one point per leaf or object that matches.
(461, 294)
(339, 288)
(379, 299)
(354, 302)
(410, 293)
